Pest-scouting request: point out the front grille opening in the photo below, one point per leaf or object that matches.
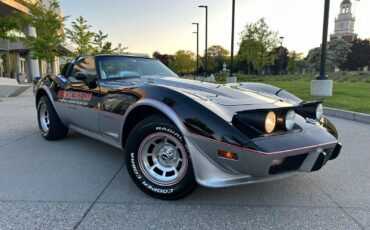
(289, 164)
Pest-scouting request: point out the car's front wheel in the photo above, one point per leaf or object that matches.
(158, 160)
(51, 127)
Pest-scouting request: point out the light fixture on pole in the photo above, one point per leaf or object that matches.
(197, 33)
(206, 53)
(324, 42)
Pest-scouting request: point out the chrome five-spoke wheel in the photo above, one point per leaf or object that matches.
(50, 125)
(162, 158)
(44, 118)
(158, 160)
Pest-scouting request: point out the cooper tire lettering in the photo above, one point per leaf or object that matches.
(151, 131)
(134, 166)
(158, 190)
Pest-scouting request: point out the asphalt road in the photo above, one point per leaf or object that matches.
(82, 183)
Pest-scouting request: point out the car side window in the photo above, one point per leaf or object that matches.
(113, 67)
(65, 69)
(86, 65)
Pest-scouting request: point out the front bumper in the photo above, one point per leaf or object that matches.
(254, 166)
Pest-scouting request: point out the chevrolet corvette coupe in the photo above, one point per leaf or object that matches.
(179, 133)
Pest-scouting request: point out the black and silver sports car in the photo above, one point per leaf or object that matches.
(180, 133)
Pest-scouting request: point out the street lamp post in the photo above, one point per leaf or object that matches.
(197, 24)
(232, 40)
(322, 86)
(281, 56)
(324, 42)
(206, 54)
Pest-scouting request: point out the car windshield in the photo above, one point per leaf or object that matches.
(115, 68)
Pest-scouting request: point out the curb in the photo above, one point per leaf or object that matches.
(348, 115)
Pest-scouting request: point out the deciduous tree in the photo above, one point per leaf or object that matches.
(338, 50)
(48, 25)
(257, 43)
(359, 57)
(7, 25)
(120, 49)
(281, 60)
(183, 62)
(164, 58)
(247, 53)
(217, 57)
(313, 58)
(295, 61)
(81, 36)
(102, 46)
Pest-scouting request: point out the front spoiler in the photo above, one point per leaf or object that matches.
(209, 174)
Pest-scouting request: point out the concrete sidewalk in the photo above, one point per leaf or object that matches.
(10, 87)
(83, 184)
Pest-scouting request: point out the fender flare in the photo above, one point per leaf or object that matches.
(199, 160)
(165, 109)
(48, 93)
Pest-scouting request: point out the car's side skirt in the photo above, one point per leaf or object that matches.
(96, 136)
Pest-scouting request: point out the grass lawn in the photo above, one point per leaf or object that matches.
(353, 96)
(351, 89)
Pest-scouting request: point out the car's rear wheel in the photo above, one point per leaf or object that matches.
(158, 160)
(51, 127)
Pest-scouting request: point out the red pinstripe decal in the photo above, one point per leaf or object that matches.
(266, 153)
(231, 145)
(247, 149)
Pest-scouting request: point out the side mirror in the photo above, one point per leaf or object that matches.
(81, 76)
(36, 80)
(91, 82)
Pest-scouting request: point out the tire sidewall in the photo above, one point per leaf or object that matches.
(56, 130)
(136, 137)
(41, 103)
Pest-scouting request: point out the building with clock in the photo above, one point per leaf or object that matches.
(345, 23)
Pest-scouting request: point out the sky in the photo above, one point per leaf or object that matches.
(146, 26)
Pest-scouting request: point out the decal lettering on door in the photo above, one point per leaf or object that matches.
(79, 98)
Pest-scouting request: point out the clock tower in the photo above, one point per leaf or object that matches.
(345, 23)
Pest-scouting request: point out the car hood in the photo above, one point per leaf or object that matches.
(224, 100)
(226, 95)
